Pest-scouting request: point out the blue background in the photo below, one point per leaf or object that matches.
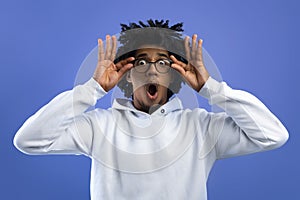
(255, 45)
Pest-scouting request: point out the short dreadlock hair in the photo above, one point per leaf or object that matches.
(157, 33)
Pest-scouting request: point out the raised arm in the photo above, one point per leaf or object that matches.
(53, 128)
(62, 126)
(246, 126)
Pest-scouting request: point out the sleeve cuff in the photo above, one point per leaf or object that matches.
(210, 87)
(96, 87)
(214, 91)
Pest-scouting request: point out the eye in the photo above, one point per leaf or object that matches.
(163, 63)
(141, 62)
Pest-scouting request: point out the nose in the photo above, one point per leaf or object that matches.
(151, 70)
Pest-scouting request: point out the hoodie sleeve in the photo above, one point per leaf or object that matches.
(61, 126)
(246, 126)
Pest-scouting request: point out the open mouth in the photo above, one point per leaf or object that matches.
(152, 91)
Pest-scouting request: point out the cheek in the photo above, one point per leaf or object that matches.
(137, 80)
(167, 80)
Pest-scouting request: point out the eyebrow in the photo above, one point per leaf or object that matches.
(145, 55)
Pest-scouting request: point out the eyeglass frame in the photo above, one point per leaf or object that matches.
(149, 64)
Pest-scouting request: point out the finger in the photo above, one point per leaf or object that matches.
(199, 50)
(108, 48)
(194, 48)
(122, 63)
(186, 67)
(187, 48)
(114, 48)
(174, 59)
(124, 69)
(179, 64)
(178, 68)
(100, 50)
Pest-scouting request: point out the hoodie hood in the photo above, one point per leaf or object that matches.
(126, 105)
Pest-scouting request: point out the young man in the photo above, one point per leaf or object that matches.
(149, 147)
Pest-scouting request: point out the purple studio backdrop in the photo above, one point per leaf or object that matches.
(255, 45)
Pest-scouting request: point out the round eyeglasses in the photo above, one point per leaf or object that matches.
(162, 65)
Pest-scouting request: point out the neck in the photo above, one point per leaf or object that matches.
(145, 108)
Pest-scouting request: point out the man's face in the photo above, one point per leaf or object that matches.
(150, 78)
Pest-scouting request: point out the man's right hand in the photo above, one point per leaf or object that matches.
(108, 74)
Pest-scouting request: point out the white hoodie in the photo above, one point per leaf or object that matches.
(165, 155)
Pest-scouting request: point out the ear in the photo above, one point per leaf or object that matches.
(128, 77)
